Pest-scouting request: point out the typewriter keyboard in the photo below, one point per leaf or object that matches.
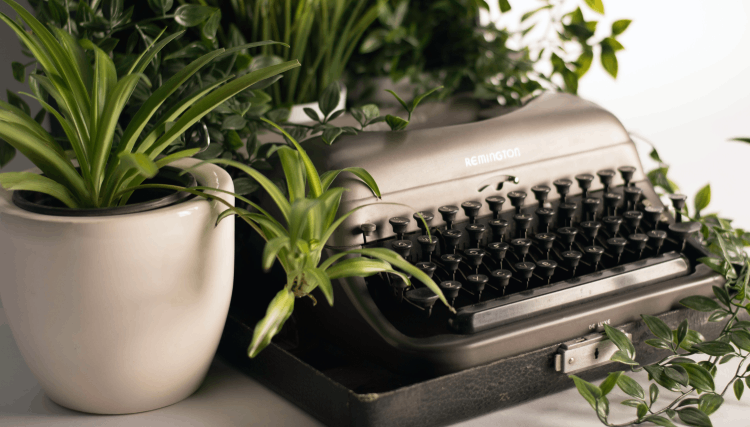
(532, 254)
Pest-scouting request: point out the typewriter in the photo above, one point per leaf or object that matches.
(540, 226)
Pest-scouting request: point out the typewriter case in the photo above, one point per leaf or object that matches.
(503, 341)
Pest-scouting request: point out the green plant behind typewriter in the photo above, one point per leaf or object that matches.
(91, 99)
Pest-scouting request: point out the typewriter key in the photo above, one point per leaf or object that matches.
(632, 195)
(399, 285)
(593, 255)
(523, 223)
(605, 177)
(683, 230)
(477, 282)
(497, 251)
(616, 245)
(367, 230)
(451, 262)
(498, 227)
(612, 225)
(449, 215)
(471, 209)
(427, 267)
(546, 269)
(423, 298)
(474, 258)
(451, 238)
(565, 212)
(516, 199)
(521, 248)
(571, 259)
(584, 183)
(496, 205)
(633, 219)
(678, 202)
(501, 278)
(544, 217)
(546, 240)
(590, 206)
(611, 202)
(476, 232)
(652, 214)
(657, 236)
(525, 270)
(399, 225)
(626, 172)
(563, 188)
(450, 289)
(540, 194)
(402, 247)
(591, 229)
(567, 236)
(427, 243)
(638, 243)
(428, 217)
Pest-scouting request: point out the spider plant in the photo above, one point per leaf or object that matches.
(91, 98)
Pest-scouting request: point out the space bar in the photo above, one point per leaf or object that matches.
(521, 305)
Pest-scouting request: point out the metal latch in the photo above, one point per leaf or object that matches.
(585, 353)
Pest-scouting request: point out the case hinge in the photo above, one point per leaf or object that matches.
(585, 353)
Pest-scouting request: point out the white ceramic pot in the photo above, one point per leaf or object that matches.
(119, 314)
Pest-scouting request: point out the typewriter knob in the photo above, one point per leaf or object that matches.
(427, 243)
(593, 255)
(567, 235)
(546, 269)
(546, 240)
(525, 270)
(626, 172)
(516, 199)
(653, 215)
(496, 204)
(606, 177)
(399, 225)
(565, 212)
(450, 289)
(616, 245)
(544, 216)
(367, 230)
(563, 188)
(590, 206)
(476, 231)
(449, 215)
(451, 238)
(658, 237)
(540, 194)
(428, 217)
(498, 226)
(402, 247)
(633, 218)
(632, 195)
(521, 247)
(451, 262)
(423, 298)
(591, 229)
(584, 182)
(427, 268)
(682, 230)
(678, 202)
(523, 223)
(497, 251)
(477, 282)
(612, 224)
(471, 209)
(397, 281)
(501, 278)
(638, 242)
(474, 257)
(611, 202)
(571, 259)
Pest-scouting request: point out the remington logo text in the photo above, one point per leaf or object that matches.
(492, 157)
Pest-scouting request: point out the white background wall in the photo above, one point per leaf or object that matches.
(684, 83)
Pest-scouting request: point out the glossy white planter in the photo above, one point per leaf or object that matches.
(119, 314)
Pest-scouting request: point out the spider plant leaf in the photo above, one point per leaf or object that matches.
(275, 225)
(277, 314)
(329, 207)
(139, 162)
(298, 217)
(105, 79)
(295, 180)
(16, 115)
(322, 281)
(271, 249)
(139, 66)
(213, 100)
(313, 178)
(35, 182)
(77, 56)
(190, 152)
(359, 267)
(237, 49)
(398, 98)
(327, 179)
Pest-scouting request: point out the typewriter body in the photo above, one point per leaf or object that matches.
(543, 227)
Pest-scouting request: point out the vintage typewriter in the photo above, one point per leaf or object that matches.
(542, 226)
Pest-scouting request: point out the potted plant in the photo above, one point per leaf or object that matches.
(116, 306)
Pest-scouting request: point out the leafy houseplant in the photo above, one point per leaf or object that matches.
(679, 371)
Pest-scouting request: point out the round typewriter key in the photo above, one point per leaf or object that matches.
(451, 238)
(544, 216)
(428, 217)
(632, 195)
(571, 259)
(501, 278)
(567, 235)
(471, 209)
(591, 229)
(423, 298)
(612, 224)
(451, 262)
(474, 257)
(496, 204)
(626, 172)
(590, 206)
(427, 267)
(540, 193)
(449, 214)
(523, 223)
(476, 232)
(546, 240)
(565, 212)
(516, 199)
(593, 255)
(563, 188)
(605, 177)
(633, 219)
(616, 245)
(450, 289)
(525, 270)
(498, 226)
(398, 284)
(682, 230)
(427, 243)
(497, 251)
(546, 269)
(521, 247)
(399, 225)
(678, 202)
(477, 282)
(367, 230)
(652, 214)
(611, 202)
(402, 247)
(658, 237)
(584, 183)
(638, 242)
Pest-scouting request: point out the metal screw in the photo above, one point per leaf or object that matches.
(571, 361)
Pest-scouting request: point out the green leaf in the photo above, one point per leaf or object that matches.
(571, 81)
(29, 181)
(357, 267)
(619, 27)
(584, 63)
(702, 198)
(741, 339)
(7, 152)
(329, 99)
(633, 403)
(694, 417)
(233, 122)
(313, 179)
(682, 331)
(660, 421)
(589, 391)
(212, 25)
(700, 378)
(614, 44)
(714, 348)
(293, 172)
(160, 6)
(622, 357)
(398, 98)
(245, 185)
(722, 295)
(371, 111)
(272, 249)
(19, 71)
(653, 392)
(322, 281)
(312, 114)
(596, 5)
(327, 179)
(642, 410)
(620, 340)
(657, 374)
(678, 374)
(658, 327)
(190, 15)
(396, 123)
(330, 135)
(609, 383)
(528, 15)
(504, 6)
(630, 387)
(421, 97)
(140, 162)
(741, 139)
(17, 102)
(710, 403)
(277, 314)
(739, 388)
(658, 343)
(700, 303)
(609, 60)
(233, 140)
